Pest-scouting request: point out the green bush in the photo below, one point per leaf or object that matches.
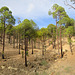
(27, 53)
(43, 62)
(51, 42)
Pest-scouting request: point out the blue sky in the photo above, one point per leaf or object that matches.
(37, 10)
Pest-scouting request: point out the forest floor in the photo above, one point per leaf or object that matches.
(49, 64)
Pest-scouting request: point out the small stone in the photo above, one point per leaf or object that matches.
(12, 68)
(2, 67)
(9, 67)
(55, 60)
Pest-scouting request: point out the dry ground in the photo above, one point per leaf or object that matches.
(49, 64)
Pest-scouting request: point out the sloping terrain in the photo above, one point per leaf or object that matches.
(49, 64)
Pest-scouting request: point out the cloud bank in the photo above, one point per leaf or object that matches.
(35, 9)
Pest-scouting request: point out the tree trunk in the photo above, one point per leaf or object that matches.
(49, 42)
(25, 51)
(1, 37)
(57, 36)
(3, 41)
(71, 48)
(70, 45)
(27, 46)
(32, 46)
(14, 40)
(19, 43)
(11, 41)
(61, 43)
(43, 46)
(29, 41)
(9, 38)
(54, 44)
(52, 41)
(22, 44)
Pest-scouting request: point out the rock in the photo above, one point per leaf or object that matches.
(2, 67)
(55, 60)
(12, 68)
(9, 67)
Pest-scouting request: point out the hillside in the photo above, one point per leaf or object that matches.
(49, 64)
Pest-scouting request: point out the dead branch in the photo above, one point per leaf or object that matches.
(67, 4)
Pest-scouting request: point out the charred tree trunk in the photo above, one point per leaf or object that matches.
(25, 51)
(3, 41)
(1, 38)
(32, 46)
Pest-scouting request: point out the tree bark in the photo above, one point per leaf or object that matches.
(61, 43)
(10, 39)
(43, 46)
(70, 45)
(32, 46)
(71, 48)
(19, 43)
(25, 51)
(22, 44)
(57, 36)
(3, 41)
(1, 37)
(14, 40)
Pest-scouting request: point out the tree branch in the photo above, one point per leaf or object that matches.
(66, 3)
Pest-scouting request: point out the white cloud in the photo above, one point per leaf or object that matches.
(34, 9)
(30, 8)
